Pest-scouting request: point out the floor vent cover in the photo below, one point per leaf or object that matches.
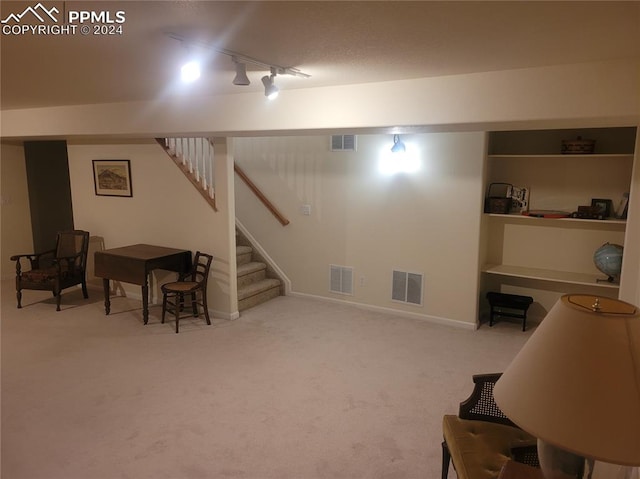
(341, 279)
(407, 287)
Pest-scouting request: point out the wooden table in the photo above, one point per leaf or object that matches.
(132, 264)
(517, 470)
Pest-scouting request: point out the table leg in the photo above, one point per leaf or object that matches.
(145, 300)
(107, 301)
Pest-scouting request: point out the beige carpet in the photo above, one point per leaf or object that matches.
(295, 388)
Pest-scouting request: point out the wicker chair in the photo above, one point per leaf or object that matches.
(481, 439)
(57, 269)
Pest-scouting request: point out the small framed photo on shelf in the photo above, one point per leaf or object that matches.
(112, 177)
(602, 207)
(623, 207)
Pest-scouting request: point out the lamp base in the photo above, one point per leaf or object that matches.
(556, 463)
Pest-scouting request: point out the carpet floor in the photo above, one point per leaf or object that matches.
(295, 388)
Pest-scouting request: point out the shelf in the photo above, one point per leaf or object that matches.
(560, 156)
(548, 275)
(607, 222)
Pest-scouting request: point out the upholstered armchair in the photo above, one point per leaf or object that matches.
(57, 269)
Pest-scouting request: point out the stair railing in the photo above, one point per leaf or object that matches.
(195, 158)
(261, 196)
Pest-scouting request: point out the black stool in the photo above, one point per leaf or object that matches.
(515, 305)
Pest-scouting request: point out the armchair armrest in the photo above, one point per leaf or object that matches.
(34, 257)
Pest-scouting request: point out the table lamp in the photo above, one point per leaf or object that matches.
(575, 385)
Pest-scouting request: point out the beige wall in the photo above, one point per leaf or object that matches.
(165, 210)
(427, 222)
(600, 94)
(14, 197)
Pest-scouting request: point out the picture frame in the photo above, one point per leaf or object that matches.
(112, 178)
(603, 207)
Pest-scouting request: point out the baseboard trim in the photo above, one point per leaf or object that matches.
(157, 301)
(380, 309)
(224, 315)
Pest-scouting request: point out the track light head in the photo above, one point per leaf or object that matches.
(398, 145)
(241, 73)
(190, 71)
(270, 89)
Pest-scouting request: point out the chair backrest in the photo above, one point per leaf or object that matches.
(71, 243)
(481, 405)
(201, 266)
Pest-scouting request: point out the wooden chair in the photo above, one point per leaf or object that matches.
(56, 269)
(193, 284)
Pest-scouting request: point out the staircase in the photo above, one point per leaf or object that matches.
(257, 283)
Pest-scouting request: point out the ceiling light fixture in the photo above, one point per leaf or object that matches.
(270, 89)
(241, 62)
(241, 77)
(398, 145)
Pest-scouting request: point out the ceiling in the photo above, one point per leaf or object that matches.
(337, 42)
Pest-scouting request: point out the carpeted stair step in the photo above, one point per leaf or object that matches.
(258, 292)
(252, 272)
(243, 254)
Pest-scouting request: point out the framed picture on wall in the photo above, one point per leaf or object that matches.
(112, 177)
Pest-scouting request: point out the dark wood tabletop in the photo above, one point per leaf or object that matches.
(132, 264)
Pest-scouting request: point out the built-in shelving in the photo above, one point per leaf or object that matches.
(609, 222)
(584, 279)
(547, 257)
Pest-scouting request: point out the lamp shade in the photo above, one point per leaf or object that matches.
(576, 382)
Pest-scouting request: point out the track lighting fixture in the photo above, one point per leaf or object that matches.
(241, 73)
(398, 145)
(241, 61)
(270, 89)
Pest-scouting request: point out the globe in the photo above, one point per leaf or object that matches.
(608, 259)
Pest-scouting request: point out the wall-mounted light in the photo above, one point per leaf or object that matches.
(270, 89)
(400, 158)
(398, 145)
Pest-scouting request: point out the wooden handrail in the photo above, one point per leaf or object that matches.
(256, 191)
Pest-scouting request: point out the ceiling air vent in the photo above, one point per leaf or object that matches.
(343, 143)
(341, 279)
(407, 287)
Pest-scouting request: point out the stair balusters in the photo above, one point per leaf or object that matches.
(196, 156)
